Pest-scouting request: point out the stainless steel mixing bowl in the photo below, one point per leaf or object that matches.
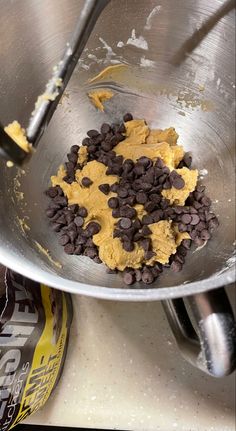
(181, 73)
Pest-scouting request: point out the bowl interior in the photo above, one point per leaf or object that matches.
(194, 92)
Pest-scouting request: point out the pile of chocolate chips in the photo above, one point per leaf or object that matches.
(139, 183)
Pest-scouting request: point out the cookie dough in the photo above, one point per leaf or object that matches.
(110, 72)
(82, 155)
(18, 134)
(98, 97)
(165, 235)
(140, 141)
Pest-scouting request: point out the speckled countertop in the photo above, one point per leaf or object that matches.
(123, 371)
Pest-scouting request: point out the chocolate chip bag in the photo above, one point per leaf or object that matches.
(34, 329)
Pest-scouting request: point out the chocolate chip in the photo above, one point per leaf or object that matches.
(193, 234)
(126, 211)
(56, 227)
(186, 218)
(97, 259)
(195, 219)
(105, 128)
(117, 233)
(82, 212)
(155, 271)
(138, 275)
(57, 215)
(81, 240)
(60, 191)
(53, 206)
(187, 159)
(119, 159)
(166, 170)
(61, 220)
(197, 205)
(146, 244)
(167, 185)
(119, 136)
(169, 212)
(72, 157)
(50, 213)
(149, 254)
(128, 278)
(114, 141)
(182, 227)
(179, 258)
(146, 187)
(78, 250)
(89, 243)
(128, 165)
(104, 188)
(93, 227)
(206, 201)
(147, 276)
(52, 192)
(125, 223)
(73, 235)
(182, 250)
(79, 221)
(178, 209)
(130, 200)
(201, 226)
(147, 219)
(141, 198)
(106, 146)
(150, 206)
(197, 195)
(146, 231)
(69, 249)
(64, 240)
(157, 215)
(122, 192)
(70, 168)
(67, 179)
(116, 212)
(178, 183)
(122, 128)
(155, 198)
(186, 243)
(200, 188)
(176, 266)
(74, 148)
(92, 133)
(205, 235)
(158, 172)
(86, 182)
(60, 200)
(139, 170)
(162, 179)
(111, 271)
(138, 236)
(92, 149)
(69, 217)
(90, 252)
(114, 187)
(113, 203)
(74, 208)
(99, 138)
(145, 161)
(198, 241)
(128, 246)
(127, 117)
(85, 142)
